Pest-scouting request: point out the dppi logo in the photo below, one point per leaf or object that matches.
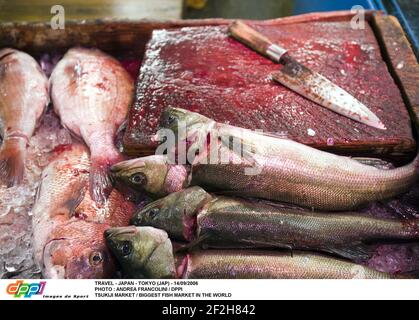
(27, 290)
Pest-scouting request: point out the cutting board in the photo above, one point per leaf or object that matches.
(131, 37)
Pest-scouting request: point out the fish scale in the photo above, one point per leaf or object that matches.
(146, 252)
(223, 222)
(289, 171)
(24, 97)
(264, 265)
(91, 92)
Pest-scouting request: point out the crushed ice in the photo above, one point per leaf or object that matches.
(16, 202)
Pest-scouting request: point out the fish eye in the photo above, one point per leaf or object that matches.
(126, 248)
(153, 213)
(171, 119)
(139, 179)
(96, 258)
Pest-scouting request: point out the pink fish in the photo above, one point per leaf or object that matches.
(68, 226)
(23, 99)
(91, 93)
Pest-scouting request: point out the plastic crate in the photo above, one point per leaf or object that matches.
(305, 6)
(407, 11)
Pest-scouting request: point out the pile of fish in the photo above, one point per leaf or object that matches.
(228, 235)
(75, 202)
(275, 209)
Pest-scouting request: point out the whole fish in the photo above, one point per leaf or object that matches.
(145, 252)
(226, 264)
(219, 222)
(283, 170)
(91, 93)
(24, 97)
(68, 225)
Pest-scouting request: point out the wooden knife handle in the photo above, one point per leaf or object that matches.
(258, 42)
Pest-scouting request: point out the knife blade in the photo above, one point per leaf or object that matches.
(304, 81)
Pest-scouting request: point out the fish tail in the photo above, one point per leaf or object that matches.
(100, 181)
(12, 161)
(357, 252)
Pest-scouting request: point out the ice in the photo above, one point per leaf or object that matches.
(16, 258)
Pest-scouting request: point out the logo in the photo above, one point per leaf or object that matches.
(21, 289)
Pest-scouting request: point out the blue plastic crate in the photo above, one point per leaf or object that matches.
(407, 11)
(305, 6)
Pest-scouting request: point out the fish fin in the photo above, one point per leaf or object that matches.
(357, 252)
(375, 162)
(194, 244)
(408, 275)
(72, 204)
(247, 151)
(12, 161)
(123, 127)
(268, 244)
(100, 180)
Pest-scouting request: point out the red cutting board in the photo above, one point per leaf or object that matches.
(202, 69)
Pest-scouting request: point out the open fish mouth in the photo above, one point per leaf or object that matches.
(50, 269)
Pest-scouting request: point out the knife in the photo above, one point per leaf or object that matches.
(304, 81)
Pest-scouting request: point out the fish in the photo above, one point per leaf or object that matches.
(91, 93)
(24, 97)
(248, 264)
(268, 167)
(143, 253)
(68, 226)
(148, 253)
(214, 221)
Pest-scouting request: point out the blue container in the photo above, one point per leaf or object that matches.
(305, 6)
(407, 11)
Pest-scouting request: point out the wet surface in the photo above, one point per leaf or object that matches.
(203, 70)
(16, 254)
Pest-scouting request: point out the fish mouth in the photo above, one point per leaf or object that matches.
(114, 232)
(51, 270)
(127, 165)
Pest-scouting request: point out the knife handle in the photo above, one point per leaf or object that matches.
(258, 42)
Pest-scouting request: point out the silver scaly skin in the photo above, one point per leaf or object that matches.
(287, 171)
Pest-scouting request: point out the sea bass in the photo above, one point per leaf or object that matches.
(145, 252)
(68, 225)
(91, 93)
(221, 222)
(24, 97)
(279, 169)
